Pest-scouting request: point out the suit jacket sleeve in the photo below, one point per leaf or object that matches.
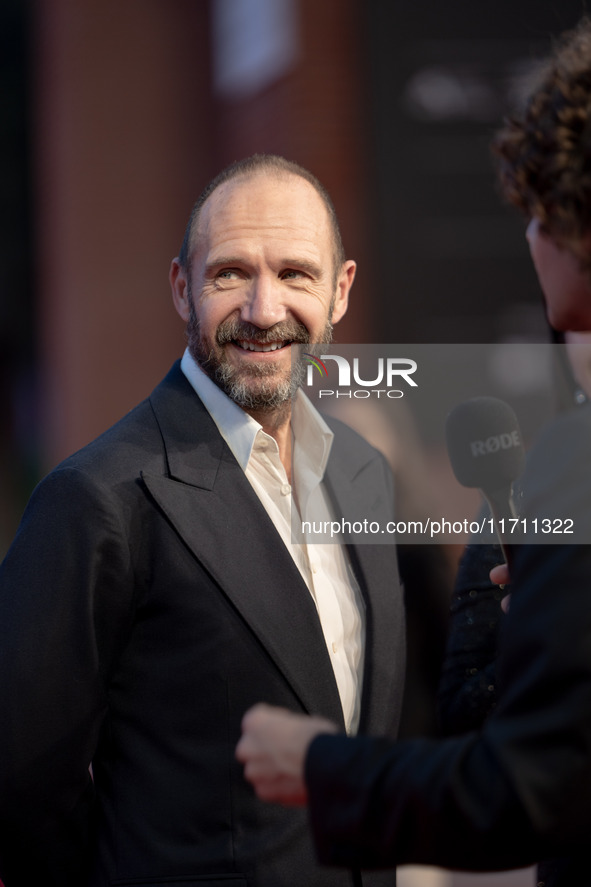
(520, 789)
(468, 684)
(63, 604)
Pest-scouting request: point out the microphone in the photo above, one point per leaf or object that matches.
(485, 450)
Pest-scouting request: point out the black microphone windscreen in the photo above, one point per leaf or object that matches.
(484, 443)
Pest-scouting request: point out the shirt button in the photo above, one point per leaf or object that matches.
(263, 444)
(285, 490)
(334, 647)
(314, 567)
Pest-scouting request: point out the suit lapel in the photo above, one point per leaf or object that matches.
(212, 506)
(383, 683)
(376, 568)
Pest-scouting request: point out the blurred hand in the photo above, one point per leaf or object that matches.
(500, 576)
(273, 750)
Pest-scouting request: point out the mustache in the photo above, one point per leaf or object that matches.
(287, 330)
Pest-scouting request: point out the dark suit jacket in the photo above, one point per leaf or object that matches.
(519, 790)
(146, 603)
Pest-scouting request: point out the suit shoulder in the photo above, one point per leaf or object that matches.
(135, 434)
(349, 442)
(563, 446)
(557, 480)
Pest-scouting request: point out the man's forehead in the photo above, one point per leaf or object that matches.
(258, 192)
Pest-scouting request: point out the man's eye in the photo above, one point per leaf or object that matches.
(291, 274)
(228, 274)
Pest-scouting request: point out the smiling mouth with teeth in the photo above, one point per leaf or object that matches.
(255, 346)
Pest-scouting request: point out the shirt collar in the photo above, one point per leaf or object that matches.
(313, 437)
(238, 429)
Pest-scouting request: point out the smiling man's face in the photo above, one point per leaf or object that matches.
(262, 279)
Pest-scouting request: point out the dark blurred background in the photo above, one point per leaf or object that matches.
(115, 113)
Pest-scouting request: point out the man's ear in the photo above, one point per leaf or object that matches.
(180, 289)
(344, 284)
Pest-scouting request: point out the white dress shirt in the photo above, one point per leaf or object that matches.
(325, 567)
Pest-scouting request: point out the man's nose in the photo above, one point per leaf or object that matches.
(264, 305)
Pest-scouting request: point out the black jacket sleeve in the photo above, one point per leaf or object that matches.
(63, 603)
(468, 685)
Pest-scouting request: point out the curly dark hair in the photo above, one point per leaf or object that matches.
(544, 154)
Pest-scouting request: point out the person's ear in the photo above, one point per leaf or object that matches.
(344, 284)
(179, 286)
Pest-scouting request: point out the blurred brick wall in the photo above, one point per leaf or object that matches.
(122, 115)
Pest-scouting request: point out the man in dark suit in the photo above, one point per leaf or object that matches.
(519, 789)
(153, 593)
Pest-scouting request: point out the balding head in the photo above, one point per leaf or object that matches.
(250, 167)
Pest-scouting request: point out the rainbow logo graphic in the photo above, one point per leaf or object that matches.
(316, 362)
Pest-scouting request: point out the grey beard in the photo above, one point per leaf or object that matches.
(269, 393)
